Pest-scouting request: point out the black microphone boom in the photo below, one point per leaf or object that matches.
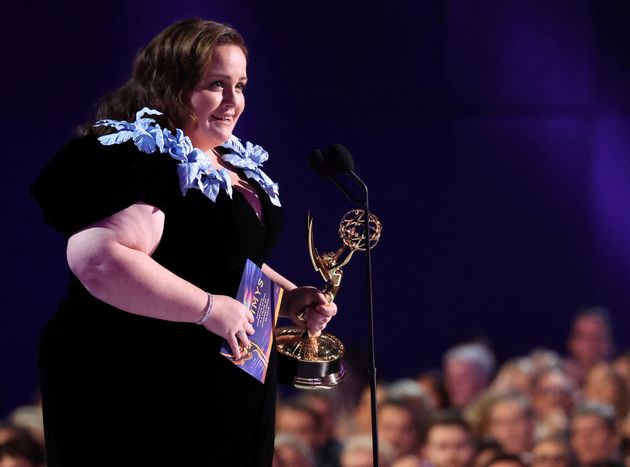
(335, 161)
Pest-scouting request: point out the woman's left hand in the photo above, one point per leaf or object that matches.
(308, 308)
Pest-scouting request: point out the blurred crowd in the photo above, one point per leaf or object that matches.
(538, 410)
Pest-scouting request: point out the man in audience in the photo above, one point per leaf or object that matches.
(511, 422)
(399, 427)
(449, 442)
(295, 417)
(594, 436)
(552, 451)
(468, 369)
(590, 342)
(329, 451)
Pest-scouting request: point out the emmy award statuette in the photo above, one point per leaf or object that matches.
(315, 362)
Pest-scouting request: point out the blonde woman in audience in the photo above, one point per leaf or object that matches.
(553, 399)
(515, 375)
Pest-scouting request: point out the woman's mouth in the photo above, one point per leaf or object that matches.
(221, 118)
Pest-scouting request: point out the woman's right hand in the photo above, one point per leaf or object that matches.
(231, 320)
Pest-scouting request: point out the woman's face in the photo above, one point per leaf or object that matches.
(218, 100)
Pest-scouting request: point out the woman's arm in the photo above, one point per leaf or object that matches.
(307, 307)
(112, 260)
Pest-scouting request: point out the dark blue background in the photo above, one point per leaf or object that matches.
(495, 138)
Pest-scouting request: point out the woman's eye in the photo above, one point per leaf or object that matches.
(216, 84)
(241, 86)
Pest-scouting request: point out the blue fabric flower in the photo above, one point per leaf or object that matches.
(250, 158)
(195, 169)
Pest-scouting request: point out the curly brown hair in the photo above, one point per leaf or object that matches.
(172, 64)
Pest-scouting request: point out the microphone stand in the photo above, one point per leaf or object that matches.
(372, 353)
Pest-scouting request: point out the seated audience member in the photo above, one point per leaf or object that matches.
(449, 442)
(433, 384)
(291, 451)
(329, 451)
(357, 452)
(515, 375)
(603, 384)
(553, 398)
(468, 370)
(412, 393)
(544, 359)
(18, 448)
(510, 421)
(590, 342)
(593, 433)
(295, 417)
(553, 451)
(399, 427)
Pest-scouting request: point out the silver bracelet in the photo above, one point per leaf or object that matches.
(208, 309)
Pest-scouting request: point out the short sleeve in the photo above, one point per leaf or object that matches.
(86, 182)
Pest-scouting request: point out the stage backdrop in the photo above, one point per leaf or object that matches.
(494, 136)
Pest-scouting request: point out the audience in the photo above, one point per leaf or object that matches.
(538, 410)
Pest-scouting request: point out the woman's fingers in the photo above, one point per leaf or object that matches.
(236, 352)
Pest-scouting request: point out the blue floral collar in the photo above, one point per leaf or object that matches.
(194, 169)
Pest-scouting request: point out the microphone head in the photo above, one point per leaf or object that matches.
(320, 164)
(339, 158)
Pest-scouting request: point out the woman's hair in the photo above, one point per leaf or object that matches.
(172, 64)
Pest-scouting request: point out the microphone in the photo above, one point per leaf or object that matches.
(340, 158)
(336, 160)
(320, 164)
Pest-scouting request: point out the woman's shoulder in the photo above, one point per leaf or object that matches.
(86, 181)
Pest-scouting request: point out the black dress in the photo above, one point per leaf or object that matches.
(125, 390)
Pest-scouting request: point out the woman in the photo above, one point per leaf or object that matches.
(158, 235)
